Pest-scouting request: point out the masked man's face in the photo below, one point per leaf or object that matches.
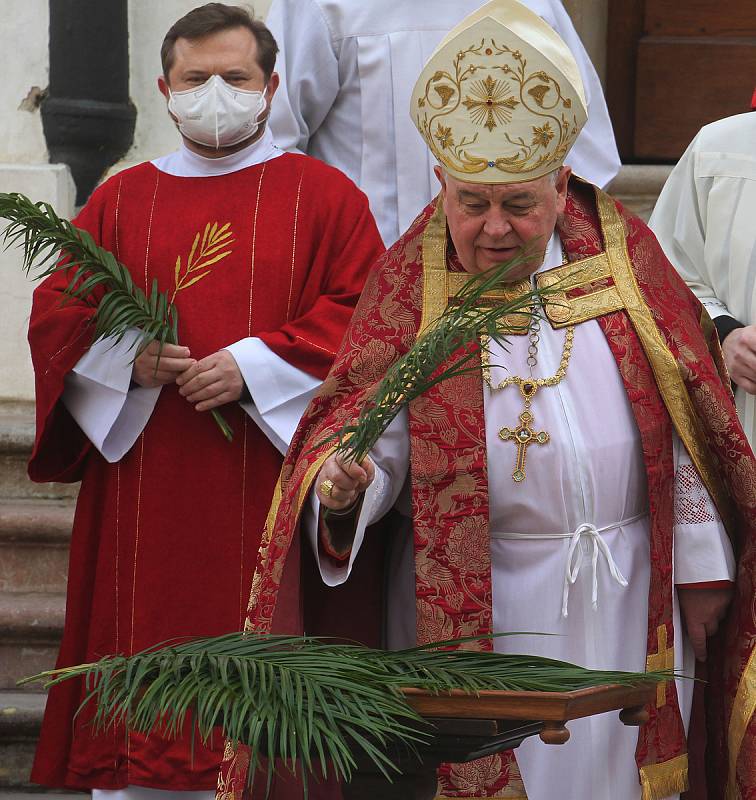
(232, 54)
(489, 223)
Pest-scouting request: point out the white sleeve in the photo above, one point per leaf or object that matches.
(702, 550)
(308, 68)
(280, 392)
(594, 155)
(391, 459)
(97, 395)
(679, 223)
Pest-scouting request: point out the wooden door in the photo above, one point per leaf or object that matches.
(675, 65)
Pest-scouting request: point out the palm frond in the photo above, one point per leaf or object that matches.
(310, 702)
(464, 320)
(52, 244)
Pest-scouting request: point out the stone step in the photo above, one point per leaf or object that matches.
(34, 539)
(31, 625)
(20, 719)
(16, 441)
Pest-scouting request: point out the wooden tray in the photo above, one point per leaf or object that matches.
(554, 709)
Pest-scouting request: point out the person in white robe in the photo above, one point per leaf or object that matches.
(570, 538)
(704, 221)
(346, 70)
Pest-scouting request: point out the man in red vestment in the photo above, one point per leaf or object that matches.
(265, 253)
(609, 515)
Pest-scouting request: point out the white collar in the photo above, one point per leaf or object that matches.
(185, 163)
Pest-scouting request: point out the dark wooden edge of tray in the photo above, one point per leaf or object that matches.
(547, 706)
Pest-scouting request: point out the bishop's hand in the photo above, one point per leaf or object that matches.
(702, 610)
(156, 367)
(739, 350)
(340, 482)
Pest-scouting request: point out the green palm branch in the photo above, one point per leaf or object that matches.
(43, 236)
(312, 703)
(467, 318)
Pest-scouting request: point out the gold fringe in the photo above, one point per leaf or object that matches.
(663, 780)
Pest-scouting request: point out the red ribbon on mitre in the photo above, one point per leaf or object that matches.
(753, 101)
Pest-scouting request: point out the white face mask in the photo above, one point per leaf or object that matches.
(217, 114)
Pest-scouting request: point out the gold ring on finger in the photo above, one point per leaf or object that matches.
(326, 487)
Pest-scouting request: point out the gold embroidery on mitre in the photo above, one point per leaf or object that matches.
(498, 106)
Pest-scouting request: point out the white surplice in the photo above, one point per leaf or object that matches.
(587, 486)
(112, 413)
(347, 69)
(705, 220)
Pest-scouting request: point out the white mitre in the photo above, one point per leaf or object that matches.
(501, 99)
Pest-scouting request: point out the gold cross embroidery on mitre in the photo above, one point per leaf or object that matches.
(664, 658)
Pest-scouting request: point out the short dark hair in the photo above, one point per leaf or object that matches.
(214, 17)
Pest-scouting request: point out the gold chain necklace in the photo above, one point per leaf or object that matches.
(524, 434)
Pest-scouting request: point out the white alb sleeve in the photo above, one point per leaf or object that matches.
(391, 459)
(679, 223)
(280, 392)
(702, 550)
(98, 397)
(308, 70)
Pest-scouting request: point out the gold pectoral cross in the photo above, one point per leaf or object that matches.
(523, 436)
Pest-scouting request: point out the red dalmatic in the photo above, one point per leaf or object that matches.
(165, 541)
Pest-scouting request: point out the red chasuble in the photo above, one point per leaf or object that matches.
(669, 361)
(165, 541)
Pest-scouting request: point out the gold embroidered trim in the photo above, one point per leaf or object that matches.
(439, 285)
(742, 712)
(663, 363)
(270, 521)
(707, 325)
(662, 780)
(715, 348)
(435, 289)
(562, 310)
(663, 658)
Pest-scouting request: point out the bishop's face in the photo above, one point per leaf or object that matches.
(489, 223)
